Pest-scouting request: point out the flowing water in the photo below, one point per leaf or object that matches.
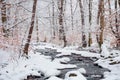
(94, 71)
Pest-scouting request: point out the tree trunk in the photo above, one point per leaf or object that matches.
(62, 36)
(84, 43)
(4, 17)
(71, 14)
(53, 20)
(115, 32)
(119, 2)
(26, 47)
(37, 30)
(90, 14)
(117, 26)
(102, 23)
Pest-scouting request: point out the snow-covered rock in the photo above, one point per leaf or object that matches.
(74, 75)
(4, 56)
(82, 70)
(64, 59)
(54, 78)
(113, 64)
(105, 51)
(94, 45)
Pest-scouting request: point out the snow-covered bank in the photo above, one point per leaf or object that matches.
(110, 57)
(4, 56)
(112, 62)
(33, 66)
(39, 64)
(66, 51)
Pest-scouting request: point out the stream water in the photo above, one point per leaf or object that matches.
(94, 71)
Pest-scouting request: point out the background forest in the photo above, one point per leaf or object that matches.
(83, 23)
(59, 39)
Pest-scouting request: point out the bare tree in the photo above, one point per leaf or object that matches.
(53, 20)
(71, 5)
(84, 43)
(4, 16)
(102, 21)
(115, 29)
(62, 36)
(116, 25)
(90, 16)
(37, 30)
(26, 47)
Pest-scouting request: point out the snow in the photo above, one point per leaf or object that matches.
(113, 64)
(43, 45)
(37, 64)
(64, 59)
(31, 66)
(54, 78)
(74, 75)
(82, 70)
(82, 53)
(4, 56)
(105, 51)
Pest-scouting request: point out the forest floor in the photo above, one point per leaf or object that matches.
(49, 62)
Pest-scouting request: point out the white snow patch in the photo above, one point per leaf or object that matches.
(82, 70)
(18, 70)
(4, 56)
(54, 78)
(114, 68)
(82, 53)
(105, 51)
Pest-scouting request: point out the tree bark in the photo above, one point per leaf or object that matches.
(26, 47)
(62, 36)
(53, 20)
(119, 2)
(90, 14)
(84, 43)
(71, 14)
(102, 22)
(37, 30)
(4, 17)
(117, 26)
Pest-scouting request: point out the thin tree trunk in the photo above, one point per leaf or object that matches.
(90, 16)
(37, 30)
(4, 16)
(84, 43)
(26, 47)
(51, 25)
(117, 26)
(62, 36)
(116, 20)
(53, 20)
(109, 16)
(102, 23)
(115, 32)
(71, 13)
(119, 2)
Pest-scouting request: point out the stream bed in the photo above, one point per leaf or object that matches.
(94, 71)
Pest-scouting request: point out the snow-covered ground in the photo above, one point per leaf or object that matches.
(38, 64)
(112, 62)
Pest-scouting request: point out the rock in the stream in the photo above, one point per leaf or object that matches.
(74, 75)
(82, 70)
(54, 78)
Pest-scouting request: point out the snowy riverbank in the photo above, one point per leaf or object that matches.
(37, 64)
